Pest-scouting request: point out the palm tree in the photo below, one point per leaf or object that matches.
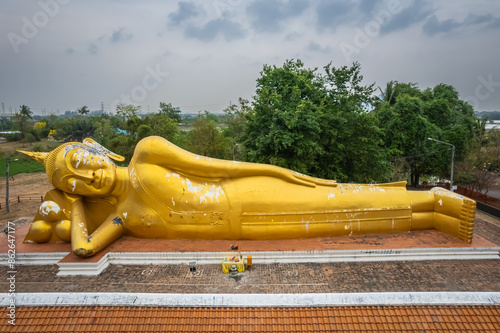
(22, 118)
(81, 129)
(389, 95)
(83, 110)
(26, 112)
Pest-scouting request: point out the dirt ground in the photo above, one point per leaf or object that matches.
(33, 185)
(15, 145)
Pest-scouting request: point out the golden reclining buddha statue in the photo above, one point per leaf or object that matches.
(169, 193)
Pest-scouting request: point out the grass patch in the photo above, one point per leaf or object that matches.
(24, 164)
(20, 163)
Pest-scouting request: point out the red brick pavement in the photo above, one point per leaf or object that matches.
(436, 275)
(413, 239)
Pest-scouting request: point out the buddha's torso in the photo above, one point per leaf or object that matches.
(178, 206)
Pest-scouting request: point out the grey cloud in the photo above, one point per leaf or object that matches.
(70, 50)
(120, 35)
(268, 15)
(434, 26)
(185, 12)
(292, 36)
(494, 24)
(332, 14)
(478, 19)
(229, 30)
(116, 36)
(417, 12)
(315, 47)
(367, 6)
(93, 48)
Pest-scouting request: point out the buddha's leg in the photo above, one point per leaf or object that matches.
(422, 206)
(272, 208)
(445, 211)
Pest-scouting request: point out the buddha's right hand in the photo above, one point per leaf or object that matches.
(72, 198)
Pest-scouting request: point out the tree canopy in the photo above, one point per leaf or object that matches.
(409, 116)
(83, 110)
(171, 112)
(315, 123)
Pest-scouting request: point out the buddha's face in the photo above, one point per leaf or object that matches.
(84, 171)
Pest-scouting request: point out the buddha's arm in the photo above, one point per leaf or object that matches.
(85, 245)
(156, 150)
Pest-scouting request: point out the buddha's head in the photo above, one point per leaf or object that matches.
(84, 169)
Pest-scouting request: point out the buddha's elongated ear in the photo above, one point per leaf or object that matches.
(91, 143)
(40, 157)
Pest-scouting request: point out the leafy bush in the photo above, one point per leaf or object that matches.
(45, 132)
(38, 147)
(13, 136)
(144, 131)
(29, 137)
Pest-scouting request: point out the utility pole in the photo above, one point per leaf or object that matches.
(7, 164)
(102, 107)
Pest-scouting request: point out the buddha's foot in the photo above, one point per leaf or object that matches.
(467, 220)
(454, 214)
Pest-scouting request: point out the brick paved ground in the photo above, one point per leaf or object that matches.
(447, 275)
(444, 275)
(487, 227)
(413, 239)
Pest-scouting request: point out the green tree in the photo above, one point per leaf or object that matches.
(207, 140)
(105, 131)
(351, 140)
(388, 95)
(163, 126)
(83, 110)
(480, 167)
(22, 119)
(171, 112)
(130, 115)
(413, 115)
(80, 129)
(132, 125)
(123, 145)
(127, 111)
(454, 117)
(284, 127)
(406, 131)
(234, 120)
(144, 131)
(26, 112)
(315, 123)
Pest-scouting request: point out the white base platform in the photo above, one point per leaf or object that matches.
(259, 257)
(252, 300)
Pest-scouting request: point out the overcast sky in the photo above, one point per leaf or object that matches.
(200, 55)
